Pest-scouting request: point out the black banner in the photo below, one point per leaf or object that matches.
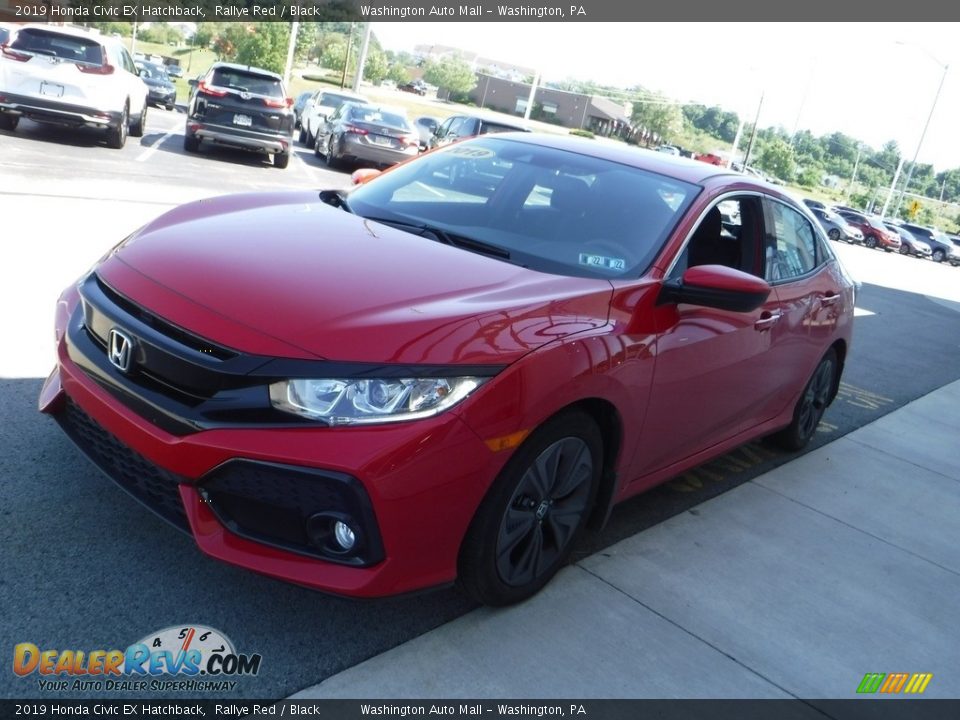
(861, 709)
(740, 11)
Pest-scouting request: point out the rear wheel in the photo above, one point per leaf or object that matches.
(811, 405)
(331, 160)
(191, 143)
(117, 136)
(938, 255)
(530, 519)
(9, 122)
(281, 160)
(138, 128)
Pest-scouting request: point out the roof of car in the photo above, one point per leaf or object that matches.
(249, 68)
(681, 168)
(71, 31)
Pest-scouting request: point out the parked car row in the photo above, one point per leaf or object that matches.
(845, 223)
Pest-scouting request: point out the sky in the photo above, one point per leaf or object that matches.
(873, 81)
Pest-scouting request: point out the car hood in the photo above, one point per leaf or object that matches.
(285, 274)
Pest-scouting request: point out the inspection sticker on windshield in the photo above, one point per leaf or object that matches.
(602, 262)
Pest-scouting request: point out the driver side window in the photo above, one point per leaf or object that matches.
(730, 234)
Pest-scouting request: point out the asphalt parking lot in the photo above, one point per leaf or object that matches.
(86, 567)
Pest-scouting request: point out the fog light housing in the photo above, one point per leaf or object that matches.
(344, 536)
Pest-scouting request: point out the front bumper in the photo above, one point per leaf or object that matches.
(246, 494)
(162, 97)
(53, 112)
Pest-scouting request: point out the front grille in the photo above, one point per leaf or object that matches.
(151, 485)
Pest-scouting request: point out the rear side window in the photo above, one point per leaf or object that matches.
(380, 117)
(334, 101)
(488, 128)
(792, 250)
(246, 81)
(68, 47)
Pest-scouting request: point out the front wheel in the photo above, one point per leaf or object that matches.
(530, 519)
(904, 249)
(938, 255)
(9, 122)
(811, 405)
(330, 159)
(871, 242)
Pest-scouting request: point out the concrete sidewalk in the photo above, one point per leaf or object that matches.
(795, 584)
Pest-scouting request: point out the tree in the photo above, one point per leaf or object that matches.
(203, 36)
(265, 47)
(398, 73)
(375, 68)
(776, 158)
(334, 52)
(657, 115)
(452, 74)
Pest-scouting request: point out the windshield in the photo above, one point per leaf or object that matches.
(330, 100)
(547, 209)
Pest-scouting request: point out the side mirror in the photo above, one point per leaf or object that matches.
(192, 82)
(716, 286)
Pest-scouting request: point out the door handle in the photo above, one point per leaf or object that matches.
(767, 320)
(831, 298)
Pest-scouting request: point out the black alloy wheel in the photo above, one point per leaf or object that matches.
(814, 399)
(871, 241)
(527, 525)
(938, 255)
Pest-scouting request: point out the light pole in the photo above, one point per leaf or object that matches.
(913, 164)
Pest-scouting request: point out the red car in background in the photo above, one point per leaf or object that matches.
(875, 233)
(446, 373)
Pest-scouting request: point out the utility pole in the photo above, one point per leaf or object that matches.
(364, 49)
(756, 121)
(886, 204)
(346, 57)
(294, 29)
(533, 93)
(853, 179)
(736, 141)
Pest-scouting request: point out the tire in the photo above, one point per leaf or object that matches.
(170, 107)
(530, 519)
(138, 128)
(191, 143)
(938, 255)
(117, 136)
(311, 140)
(870, 241)
(281, 160)
(9, 122)
(812, 403)
(904, 249)
(302, 137)
(834, 234)
(330, 159)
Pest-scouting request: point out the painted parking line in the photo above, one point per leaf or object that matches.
(860, 312)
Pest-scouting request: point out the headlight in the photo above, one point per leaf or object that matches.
(357, 402)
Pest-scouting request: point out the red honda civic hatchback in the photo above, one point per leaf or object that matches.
(446, 373)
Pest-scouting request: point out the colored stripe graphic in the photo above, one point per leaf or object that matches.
(893, 683)
(871, 682)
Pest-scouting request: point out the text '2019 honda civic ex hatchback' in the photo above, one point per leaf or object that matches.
(445, 373)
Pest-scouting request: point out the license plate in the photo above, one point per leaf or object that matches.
(386, 142)
(51, 89)
(242, 120)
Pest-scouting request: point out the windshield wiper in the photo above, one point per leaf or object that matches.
(447, 238)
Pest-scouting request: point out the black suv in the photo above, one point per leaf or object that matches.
(243, 107)
(459, 127)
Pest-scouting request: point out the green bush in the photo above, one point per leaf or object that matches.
(582, 133)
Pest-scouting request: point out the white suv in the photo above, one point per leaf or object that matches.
(71, 78)
(318, 108)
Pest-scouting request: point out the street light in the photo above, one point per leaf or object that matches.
(946, 67)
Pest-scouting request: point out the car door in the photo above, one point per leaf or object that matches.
(329, 126)
(137, 89)
(714, 374)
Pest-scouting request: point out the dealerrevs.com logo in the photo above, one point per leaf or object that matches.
(177, 658)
